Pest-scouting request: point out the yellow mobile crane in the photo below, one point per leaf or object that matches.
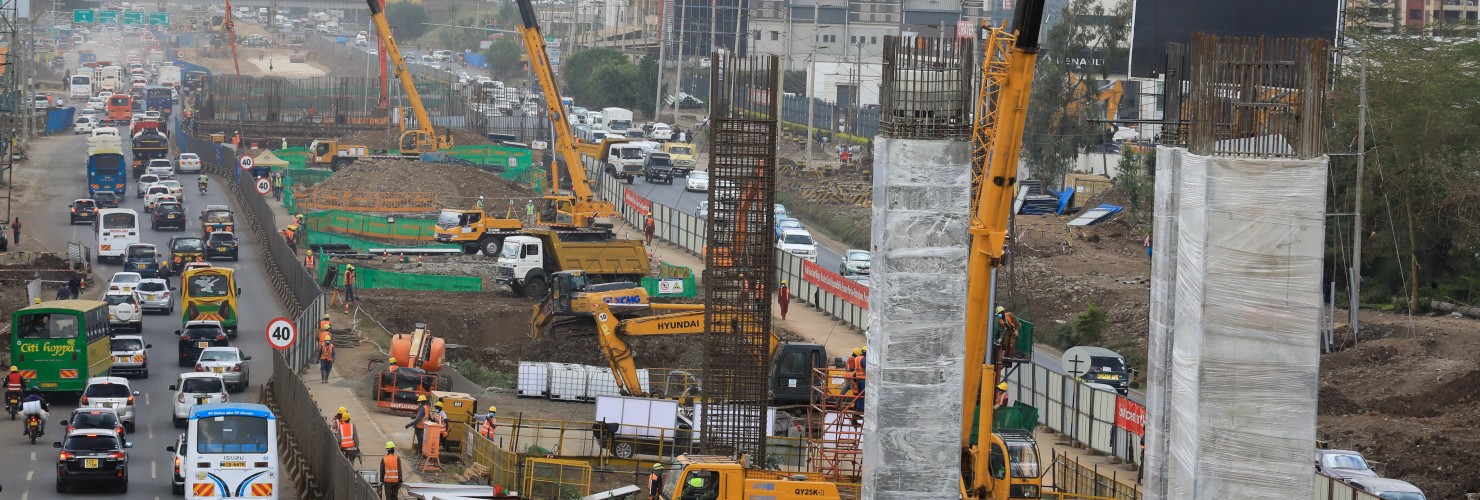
(996, 465)
(582, 207)
(413, 142)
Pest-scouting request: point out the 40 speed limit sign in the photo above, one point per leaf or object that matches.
(281, 332)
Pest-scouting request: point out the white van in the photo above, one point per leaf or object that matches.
(81, 86)
(117, 229)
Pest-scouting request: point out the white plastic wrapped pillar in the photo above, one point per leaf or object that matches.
(1245, 354)
(1163, 293)
(917, 314)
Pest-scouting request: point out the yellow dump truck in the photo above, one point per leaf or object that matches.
(475, 230)
(722, 478)
(528, 258)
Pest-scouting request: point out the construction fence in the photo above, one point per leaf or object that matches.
(373, 226)
(367, 278)
(316, 237)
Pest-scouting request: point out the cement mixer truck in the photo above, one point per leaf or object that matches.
(414, 370)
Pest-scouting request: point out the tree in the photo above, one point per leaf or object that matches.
(1063, 95)
(580, 73)
(503, 56)
(407, 20)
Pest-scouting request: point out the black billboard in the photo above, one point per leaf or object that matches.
(1159, 22)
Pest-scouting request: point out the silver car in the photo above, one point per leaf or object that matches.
(111, 392)
(130, 355)
(154, 295)
(194, 388)
(227, 362)
(855, 261)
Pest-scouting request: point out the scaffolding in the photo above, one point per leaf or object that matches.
(835, 427)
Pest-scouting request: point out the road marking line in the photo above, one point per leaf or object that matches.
(33, 456)
(146, 399)
(152, 474)
(29, 473)
(25, 495)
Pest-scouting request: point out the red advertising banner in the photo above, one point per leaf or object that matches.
(1130, 415)
(636, 201)
(834, 283)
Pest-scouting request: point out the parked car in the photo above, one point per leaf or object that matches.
(125, 312)
(111, 392)
(92, 456)
(84, 210)
(196, 388)
(196, 337)
(130, 355)
(229, 363)
(855, 261)
(1388, 489)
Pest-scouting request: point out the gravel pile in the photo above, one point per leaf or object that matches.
(457, 185)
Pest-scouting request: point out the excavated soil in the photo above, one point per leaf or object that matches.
(383, 140)
(456, 184)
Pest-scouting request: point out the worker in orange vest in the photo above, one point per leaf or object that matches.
(308, 262)
(326, 361)
(783, 298)
(393, 367)
(349, 283)
(349, 438)
(850, 367)
(423, 413)
(490, 422)
(1001, 401)
(390, 472)
(655, 481)
(324, 325)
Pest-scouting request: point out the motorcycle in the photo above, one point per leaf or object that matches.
(202, 187)
(33, 427)
(13, 404)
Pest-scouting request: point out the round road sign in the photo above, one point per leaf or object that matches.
(245, 162)
(263, 186)
(281, 332)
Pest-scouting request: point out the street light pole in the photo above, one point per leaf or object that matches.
(811, 72)
(1356, 271)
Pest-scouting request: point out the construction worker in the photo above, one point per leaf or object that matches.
(648, 227)
(277, 186)
(420, 420)
(338, 416)
(349, 283)
(298, 219)
(655, 481)
(860, 377)
(479, 203)
(783, 298)
(390, 472)
(290, 234)
(324, 325)
(490, 423)
(308, 261)
(349, 438)
(850, 367)
(326, 361)
(1001, 401)
(529, 211)
(393, 366)
(1006, 333)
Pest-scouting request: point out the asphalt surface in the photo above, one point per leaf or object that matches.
(29, 471)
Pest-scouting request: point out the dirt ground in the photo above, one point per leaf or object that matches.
(455, 183)
(254, 62)
(383, 140)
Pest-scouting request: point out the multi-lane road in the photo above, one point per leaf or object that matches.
(28, 471)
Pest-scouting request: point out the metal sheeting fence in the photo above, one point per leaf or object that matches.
(310, 439)
(1074, 408)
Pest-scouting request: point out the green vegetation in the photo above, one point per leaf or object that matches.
(1138, 184)
(1086, 329)
(503, 56)
(407, 20)
(606, 77)
(852, 231)
(482, 375)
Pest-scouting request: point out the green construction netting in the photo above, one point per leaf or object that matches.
(368, 277)
(670, 287)
(316, 237)
(288, 200)
(305, 177)
(518, 164)
(374, 226)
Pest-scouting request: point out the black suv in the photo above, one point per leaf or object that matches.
(197, 336)
(92, 456)
(657, 166)
(141, 258)
(84, 210)
(106, 199)
(170, 215)
(221, 244)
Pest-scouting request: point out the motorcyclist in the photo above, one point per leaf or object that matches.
(34, 394)
(14, 384)
(203, 182)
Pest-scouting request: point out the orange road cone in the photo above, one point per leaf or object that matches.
(385, 256)
(419, 260)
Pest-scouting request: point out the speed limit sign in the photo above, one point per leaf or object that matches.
(245, 162)
(263, 186)
(281, 332)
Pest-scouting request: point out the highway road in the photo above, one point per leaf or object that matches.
(28, 471)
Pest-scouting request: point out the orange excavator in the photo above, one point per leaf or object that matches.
(416, 360)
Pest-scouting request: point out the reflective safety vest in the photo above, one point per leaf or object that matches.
(327, 353)
(346, 435)
(392, 465)
(14, 382)
(349, 278)
(487, 427)
(851, 365)
(862, 365)
(323, 324)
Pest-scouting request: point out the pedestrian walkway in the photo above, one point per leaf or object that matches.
(375, 427)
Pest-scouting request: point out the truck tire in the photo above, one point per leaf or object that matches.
(491, 246)
(470, 248)
(340, 163)
(535, 287)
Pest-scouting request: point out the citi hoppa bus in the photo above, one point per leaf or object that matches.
(210, 294)
(58, 345)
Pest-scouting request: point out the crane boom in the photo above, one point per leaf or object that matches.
(424, 137)
(577, 211)
(1007, 67)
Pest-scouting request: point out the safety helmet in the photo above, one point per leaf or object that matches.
(345, 417)
(438, 405)
(493, 409)
(658, 466)
(326, 315)
(390, 445)
(14, 369)
(343, 411)
(393, 361)
(350, 267)
(36, 300)
(857, 351)
(421, 398)
(1001, 309)
(1002, 386)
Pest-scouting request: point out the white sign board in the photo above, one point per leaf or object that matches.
(281, 332)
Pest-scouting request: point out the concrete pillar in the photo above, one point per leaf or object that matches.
(1163, 313)
(917, 311)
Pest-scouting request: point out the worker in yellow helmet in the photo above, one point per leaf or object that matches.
(1001, 400)
(423, 415)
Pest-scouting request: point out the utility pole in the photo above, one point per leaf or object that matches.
(658, 98)
(713, 28)
(678, 79)
(811, 70)
(1356, 271)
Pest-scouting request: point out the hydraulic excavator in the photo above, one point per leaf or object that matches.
(617, 309)
(1002, 464)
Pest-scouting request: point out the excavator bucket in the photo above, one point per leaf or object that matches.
(541, 319)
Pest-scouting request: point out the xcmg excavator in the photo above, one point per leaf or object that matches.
(413, 141)
(616, 309)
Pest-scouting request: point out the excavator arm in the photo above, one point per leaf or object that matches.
(423, 138)
(583, 207)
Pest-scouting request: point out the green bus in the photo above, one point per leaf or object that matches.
(58, 345)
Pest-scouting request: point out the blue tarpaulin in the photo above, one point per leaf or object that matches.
(1064, 197)
(59, 119)
(474, 59)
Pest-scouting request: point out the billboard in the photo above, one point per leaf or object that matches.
(1159, 22)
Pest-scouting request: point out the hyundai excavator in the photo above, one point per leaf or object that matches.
(413, 141)
(616, 309)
